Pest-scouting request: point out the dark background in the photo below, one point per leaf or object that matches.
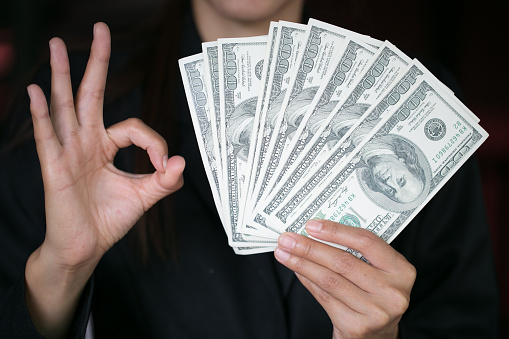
(469, 37)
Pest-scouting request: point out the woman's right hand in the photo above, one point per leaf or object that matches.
(89, 203)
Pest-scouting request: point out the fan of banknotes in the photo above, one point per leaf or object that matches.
(316, 121)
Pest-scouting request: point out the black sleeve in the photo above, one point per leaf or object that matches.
(15, 321)
(455, 293)
(22, 225)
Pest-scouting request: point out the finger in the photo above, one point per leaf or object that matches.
(62, 103)
(349, 322)
(373, 248)
(134, 131)
(330, 282)
(46, 140)
(336, 309)
(156, 186)
(390, 290)
(90, 96)
(364, 276)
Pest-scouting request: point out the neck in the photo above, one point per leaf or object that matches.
(214, 23)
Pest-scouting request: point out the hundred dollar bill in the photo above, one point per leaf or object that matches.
(321, 44)
(193, 70)
(210, 59)
(385, 66)
(286, 47)
(356, 127)
(240, 64)
(399, 166)
(352, 61)
(258, 123)
(324, 46)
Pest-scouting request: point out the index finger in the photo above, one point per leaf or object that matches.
(373, 248)
(90, 96)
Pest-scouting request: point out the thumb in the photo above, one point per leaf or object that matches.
(172, 179)
(158, 185)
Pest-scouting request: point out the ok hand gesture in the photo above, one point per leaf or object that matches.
(90, 204)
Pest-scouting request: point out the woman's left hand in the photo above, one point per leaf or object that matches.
(362, 300)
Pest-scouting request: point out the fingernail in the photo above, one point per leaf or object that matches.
(281, 255)
(287, 241)
(313, 226)
(165, 161)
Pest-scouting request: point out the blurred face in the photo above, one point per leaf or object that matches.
(395, 180)
(249, 10)
(241, 18)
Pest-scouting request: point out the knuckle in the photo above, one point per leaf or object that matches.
(331, 226)
(97, 94)
(74, 133)
(298, 264)
(60, 70)
(410, 273)
(135, 126)
(343, 262)
(366, 240)
(307, 249)
(379, 319)
(41, 138)
(174, 185)
(329, 282)
(323, 296)
(69, 103)
(398, 302)
(133, 122)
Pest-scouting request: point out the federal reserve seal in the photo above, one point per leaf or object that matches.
(434, 129)
(350, 220)
(258, 69)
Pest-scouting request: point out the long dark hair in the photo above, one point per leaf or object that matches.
(156, 67)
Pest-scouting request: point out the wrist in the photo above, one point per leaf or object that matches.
(73, 257)
(53, 291)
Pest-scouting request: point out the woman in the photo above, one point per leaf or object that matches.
(70, 255)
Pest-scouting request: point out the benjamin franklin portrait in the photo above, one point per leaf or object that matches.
(394, 173)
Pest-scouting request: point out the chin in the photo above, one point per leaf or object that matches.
(249, 10)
